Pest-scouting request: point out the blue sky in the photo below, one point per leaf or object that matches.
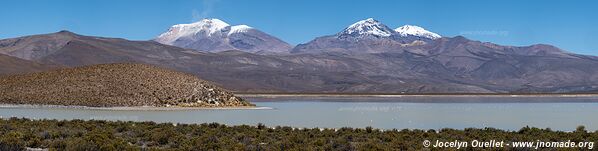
(570, 25)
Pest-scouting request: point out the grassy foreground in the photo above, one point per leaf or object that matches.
(19, 134)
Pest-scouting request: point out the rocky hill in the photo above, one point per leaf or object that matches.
(111, 85)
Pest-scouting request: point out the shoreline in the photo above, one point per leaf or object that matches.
(391, 95)
(132, 108)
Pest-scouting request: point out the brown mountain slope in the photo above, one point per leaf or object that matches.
(233, 70)
(13, 65)
(111, 85)
(444, 65)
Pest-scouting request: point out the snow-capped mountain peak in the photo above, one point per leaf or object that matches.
(208, 23)
(416, 31)
(207, 26)
(214, 35)
(239, 29)
(368, 26)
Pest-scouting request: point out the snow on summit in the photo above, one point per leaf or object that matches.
(416, 31)
(368, 26)
(214, 35)
(239, 29)
(373, 27)
(206, 28)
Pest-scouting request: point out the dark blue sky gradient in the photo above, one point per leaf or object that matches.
(570, 25)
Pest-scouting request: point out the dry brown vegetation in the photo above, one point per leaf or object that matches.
(19, 134)
(110, 85)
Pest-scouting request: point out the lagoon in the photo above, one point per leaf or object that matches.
(509, 113)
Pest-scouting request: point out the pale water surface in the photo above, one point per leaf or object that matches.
(509, 113)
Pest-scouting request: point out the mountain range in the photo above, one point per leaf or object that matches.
(369, 36)
(365, 57)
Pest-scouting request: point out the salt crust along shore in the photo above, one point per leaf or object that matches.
(265, 95)
(133, 108)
